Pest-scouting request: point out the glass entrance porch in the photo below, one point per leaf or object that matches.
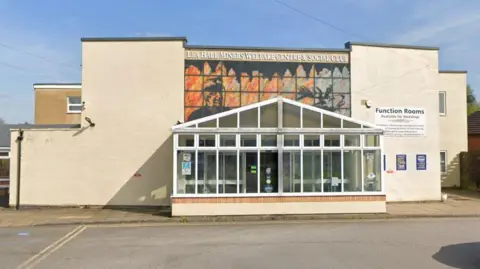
(277, 147)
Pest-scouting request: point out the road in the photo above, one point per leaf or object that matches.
(435, 243)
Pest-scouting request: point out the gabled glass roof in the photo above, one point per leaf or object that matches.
(276, 113)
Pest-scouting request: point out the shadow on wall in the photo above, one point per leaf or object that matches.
(149, 188)
(462, 256)
(452, 177)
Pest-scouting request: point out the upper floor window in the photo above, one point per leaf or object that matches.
(74, 104)
(443, 161)
(442, 103)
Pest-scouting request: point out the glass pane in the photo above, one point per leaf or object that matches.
(291, 171)
(291, 141)
(441, 102)
(229, 121)
(268, 172)
(372, 170)
(5, 169)
(248, 140)
(331, 122)
(249, 118)
(341, 101)
(443, 158)
(331, 141)
(186, 140)
(341, 85)
(269, 116)
(312, 169)
(248, 172)
(311, 140)
(269, 140)
(352, 170)
(3, 154)
(352, 140)
(74, 108)
(207, 172)
(206, 141)
(250, 97)
(291, 116)
(74, 100)
(311, 119)
(227, 141)
(332, 171)
(208, 124)
(349, 124)
(372, 141)
(185, 172)
(227, 172)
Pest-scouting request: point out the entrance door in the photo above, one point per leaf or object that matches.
(4, 179)
(250, 169)
(269, 172)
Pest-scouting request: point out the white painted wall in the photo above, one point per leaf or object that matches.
(134, 94)
(453, 125)
(400, 77)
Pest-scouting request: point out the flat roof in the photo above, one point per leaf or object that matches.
(396, 46)
(113, 39)
(262, 48)
(6, 128)
(453, 71)
(57, 85)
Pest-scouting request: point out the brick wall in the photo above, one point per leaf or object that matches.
(277, 199)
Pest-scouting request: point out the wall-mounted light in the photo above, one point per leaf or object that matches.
(92, 124)
(368, 103)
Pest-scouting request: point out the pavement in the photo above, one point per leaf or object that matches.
(392, 244)
(459, 204)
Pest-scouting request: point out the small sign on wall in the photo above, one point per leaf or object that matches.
(401, 162)
(421, 162)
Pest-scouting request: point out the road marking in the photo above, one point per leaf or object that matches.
(35, 259)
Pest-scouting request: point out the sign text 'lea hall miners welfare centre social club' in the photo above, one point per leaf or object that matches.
(268, 56)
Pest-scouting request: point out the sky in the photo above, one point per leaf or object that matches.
(40, 40)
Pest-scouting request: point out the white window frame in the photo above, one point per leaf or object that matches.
(444, 103)
(75, 105)
(445, 161)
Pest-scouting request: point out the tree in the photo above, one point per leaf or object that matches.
(472, 104)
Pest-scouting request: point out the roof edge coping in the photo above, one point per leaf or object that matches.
(453, 71)
(264, 48)
(382, 45)
(127, 39)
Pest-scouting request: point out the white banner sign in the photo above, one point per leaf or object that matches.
(401, 121)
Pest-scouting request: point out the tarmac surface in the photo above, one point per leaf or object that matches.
(365, 244)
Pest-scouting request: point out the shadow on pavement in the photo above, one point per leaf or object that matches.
(462, 256)
(163, 211)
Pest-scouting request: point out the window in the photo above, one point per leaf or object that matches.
(442, 103)
(74, 104)
(443, 162)
(227, 85)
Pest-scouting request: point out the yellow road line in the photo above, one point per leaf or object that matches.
(35, 259)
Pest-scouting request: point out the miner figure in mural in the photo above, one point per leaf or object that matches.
(212, 95)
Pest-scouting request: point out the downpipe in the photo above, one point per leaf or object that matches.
(19, 166)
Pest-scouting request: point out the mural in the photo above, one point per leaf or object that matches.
(215, 86)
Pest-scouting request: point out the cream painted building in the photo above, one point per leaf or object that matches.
(204, 129)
